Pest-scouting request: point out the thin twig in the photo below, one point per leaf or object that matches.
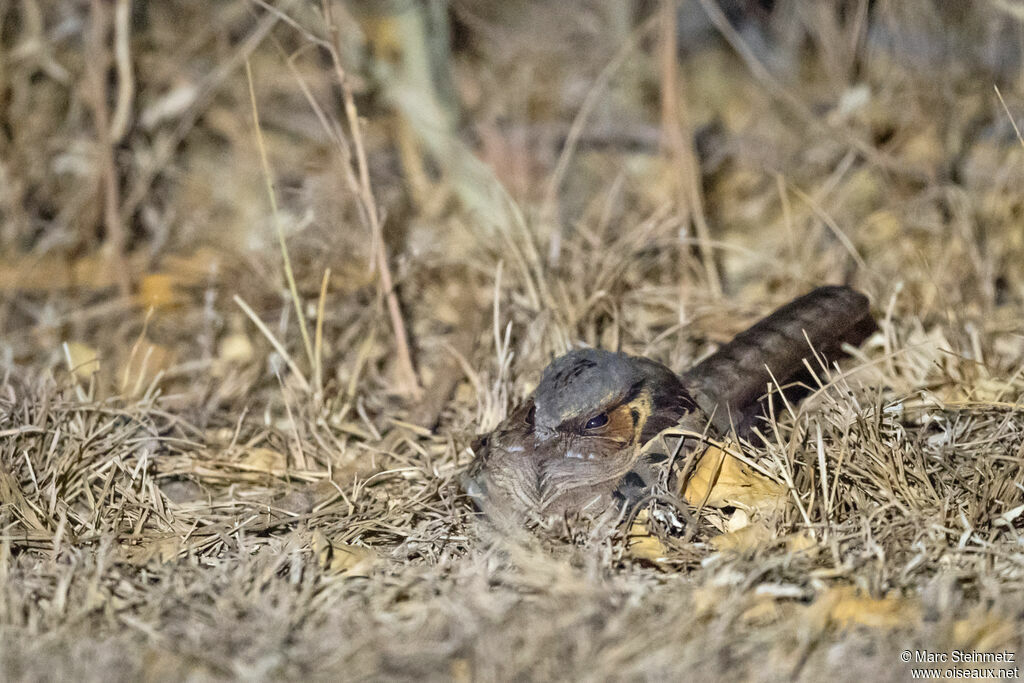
(285, 258)
(407, 370)
(97, 68)
(273, 341)
(831, 224)
(125, 76)
(1009, 115)
(318, 339)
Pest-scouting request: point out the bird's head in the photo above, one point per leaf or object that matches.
(566, 448)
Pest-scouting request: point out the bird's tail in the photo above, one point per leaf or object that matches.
(730, 384)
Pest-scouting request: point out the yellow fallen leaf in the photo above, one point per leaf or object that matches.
(235, 348)
(264, 460)
(757, 535)
(739, 519)
(159, 291)
(641, 544)
(765, 610)
(194, 268)
(708, 599)
(163, 550)
(800, 542)
(723, 480)
(984, 629)
(83, 360)
(744, 539)
(341, 558)
(846, 606)
(50, 272)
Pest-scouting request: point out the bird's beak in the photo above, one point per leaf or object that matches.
(544, 434)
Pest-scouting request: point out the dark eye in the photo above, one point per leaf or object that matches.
(480, 443)
(597, 421)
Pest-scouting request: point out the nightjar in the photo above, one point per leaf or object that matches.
(574, 446)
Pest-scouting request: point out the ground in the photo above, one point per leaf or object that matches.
(268, 268)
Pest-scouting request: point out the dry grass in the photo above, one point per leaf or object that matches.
(185, 495)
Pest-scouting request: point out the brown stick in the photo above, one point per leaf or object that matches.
(409, 382)
(99, 58)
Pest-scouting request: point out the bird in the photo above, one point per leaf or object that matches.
(575, 445)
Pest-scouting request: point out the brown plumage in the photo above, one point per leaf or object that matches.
(574, 445)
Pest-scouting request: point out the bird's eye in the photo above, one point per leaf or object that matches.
(597, 421)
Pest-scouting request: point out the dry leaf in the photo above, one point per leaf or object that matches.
(801, 542)
(83, 360)
(96, 270)
(924, 148)
(765, 610)
(264, 460)
(159, 291)
(194, 268)
(139, 554)
(984, 630)
(641, 544)
(758, 535)
(341, 558)
(51, 272)
(708, 599)
(846, 606)
(747, 538)
(722, 480)
(739, 519)
(235, 348)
